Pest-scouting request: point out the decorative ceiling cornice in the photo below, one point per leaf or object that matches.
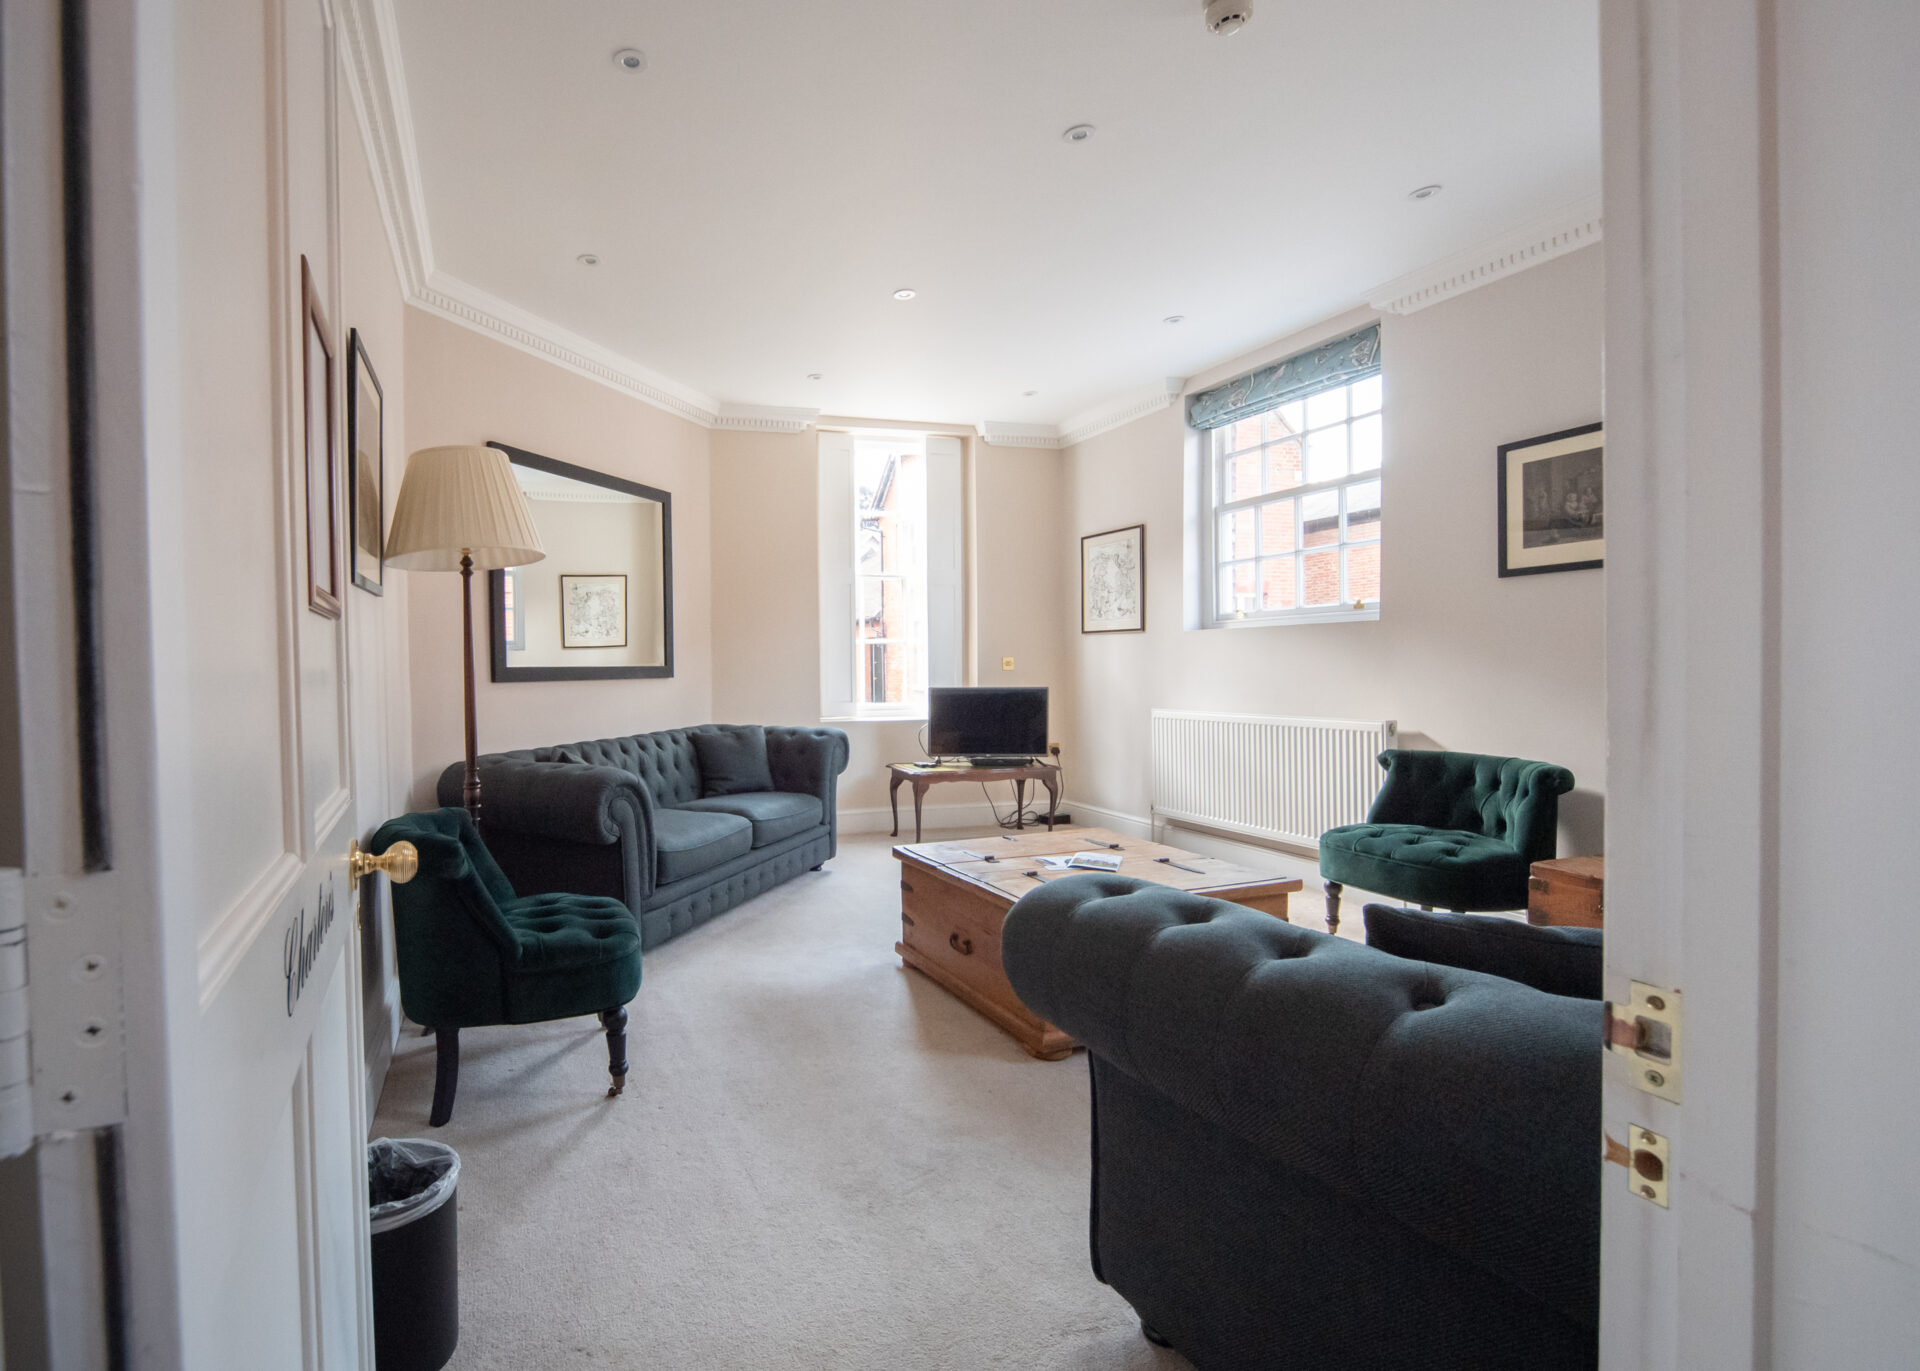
(765, 418)
(1137, 404)
(378, 89)
(1018, 435)
(1542, 240)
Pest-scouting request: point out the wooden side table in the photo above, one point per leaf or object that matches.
(924, 774)
(1570, 892)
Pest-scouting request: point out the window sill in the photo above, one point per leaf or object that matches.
(873, 718)
(1331, 616)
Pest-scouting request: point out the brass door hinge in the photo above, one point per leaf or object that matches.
(1646, 1030)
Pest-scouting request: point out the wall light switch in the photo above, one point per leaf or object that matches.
(1006, 664)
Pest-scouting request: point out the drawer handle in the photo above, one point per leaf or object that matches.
(964, 946)
(904, 886)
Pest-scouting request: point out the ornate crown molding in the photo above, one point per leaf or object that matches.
(765, 418)
(378, 88)
(1542, 240)
(1135, 404)
(1018, 435)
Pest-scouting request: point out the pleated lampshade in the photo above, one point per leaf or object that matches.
(456, 500)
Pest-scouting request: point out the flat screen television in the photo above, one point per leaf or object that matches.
(1000, 722)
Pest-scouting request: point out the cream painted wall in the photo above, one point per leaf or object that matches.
(766, 597)
(1461, 658)
(464, 387)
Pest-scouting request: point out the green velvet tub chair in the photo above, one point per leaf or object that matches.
(1448, 830)
(472, 953)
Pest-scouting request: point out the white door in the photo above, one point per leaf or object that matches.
(1763, 335)
(212, 939)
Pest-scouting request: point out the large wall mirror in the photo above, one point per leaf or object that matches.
(600, 607)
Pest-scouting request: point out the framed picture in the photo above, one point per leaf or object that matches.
(1113, 581)
(323, 506)
(1551, 503)
(593, 611)
(366, 448)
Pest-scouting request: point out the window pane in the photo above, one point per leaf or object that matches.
(1236, 590)
(1240, 476)
(1328, 407)
(1283, 465)
(1323, 578)
(1277, 590)
(1363, 573)
(1289, 418)
(1276, 528)
(1366, 395)
(1327, 454)
(1244, 434)
(1366, 443)
(1363, 510)
(1320, 519)
(1236, 536)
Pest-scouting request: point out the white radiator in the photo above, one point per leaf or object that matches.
(1286, 780)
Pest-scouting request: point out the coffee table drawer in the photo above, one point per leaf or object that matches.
(957, 945)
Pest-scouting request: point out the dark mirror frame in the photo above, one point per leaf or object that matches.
(496, 582)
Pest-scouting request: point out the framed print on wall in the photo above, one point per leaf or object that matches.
(1113, 581)
(593, 611)
(367, 458)
(323, 507)
(1552, 503)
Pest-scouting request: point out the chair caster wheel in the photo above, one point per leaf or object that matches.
(1153, 1335)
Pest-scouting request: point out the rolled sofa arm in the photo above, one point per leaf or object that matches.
(1465, 1106)
(808, 761)
(576, 804)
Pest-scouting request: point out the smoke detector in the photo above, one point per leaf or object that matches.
(1228, 16)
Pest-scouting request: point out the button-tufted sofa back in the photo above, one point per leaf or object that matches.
(665, 761)
(1506, 798)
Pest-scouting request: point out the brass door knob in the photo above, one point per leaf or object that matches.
(400, 862)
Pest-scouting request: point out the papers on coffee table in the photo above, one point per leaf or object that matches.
(1084, 861)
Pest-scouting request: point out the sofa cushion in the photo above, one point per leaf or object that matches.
(688, 841)
(774, 814)
(1560, 961)
(1441, 866)
(557, 932)
(733, 759)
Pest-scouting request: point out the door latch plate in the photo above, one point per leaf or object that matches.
(1646, 1031)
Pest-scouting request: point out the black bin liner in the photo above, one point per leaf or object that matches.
(411, 1184)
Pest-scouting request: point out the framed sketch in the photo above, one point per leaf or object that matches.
(323, 506)
(366, 453)
(593, 611)
(1113, 581)
(1551, 503)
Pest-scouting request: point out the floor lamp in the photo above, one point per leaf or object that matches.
(460, 509)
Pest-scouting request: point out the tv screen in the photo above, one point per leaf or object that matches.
(987, 721)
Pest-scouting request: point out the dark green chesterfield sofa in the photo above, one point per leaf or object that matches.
(1448, 830)
(679, 825)
(1312, 1154)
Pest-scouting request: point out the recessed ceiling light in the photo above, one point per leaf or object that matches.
(1424, 193)
(630, 60)
(1079, 133)
(1174, 319)
(905, 293)
(587, 259)
(815, 375)
(1029, 394)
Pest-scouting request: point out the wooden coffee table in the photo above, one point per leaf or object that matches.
(953, 900)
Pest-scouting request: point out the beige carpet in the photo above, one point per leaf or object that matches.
(821, 1160)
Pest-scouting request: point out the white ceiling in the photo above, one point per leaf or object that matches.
(756, 195)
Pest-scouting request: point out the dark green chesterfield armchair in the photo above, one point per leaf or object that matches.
(472, 953)
(1448, 830)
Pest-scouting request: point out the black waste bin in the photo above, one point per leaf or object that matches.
(416, 1253)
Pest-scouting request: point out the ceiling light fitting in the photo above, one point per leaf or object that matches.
(1228, 16)
(1174, 319)
(815, 375)
(1424, 193)
(1079, 133)
(904, 293)
(630, 60)
(1029, 394)
(587, 259)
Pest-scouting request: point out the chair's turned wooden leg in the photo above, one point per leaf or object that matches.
(1333, 906)
(615, 1020)
(446, 1074)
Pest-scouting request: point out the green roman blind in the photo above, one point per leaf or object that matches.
(1352, 358)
